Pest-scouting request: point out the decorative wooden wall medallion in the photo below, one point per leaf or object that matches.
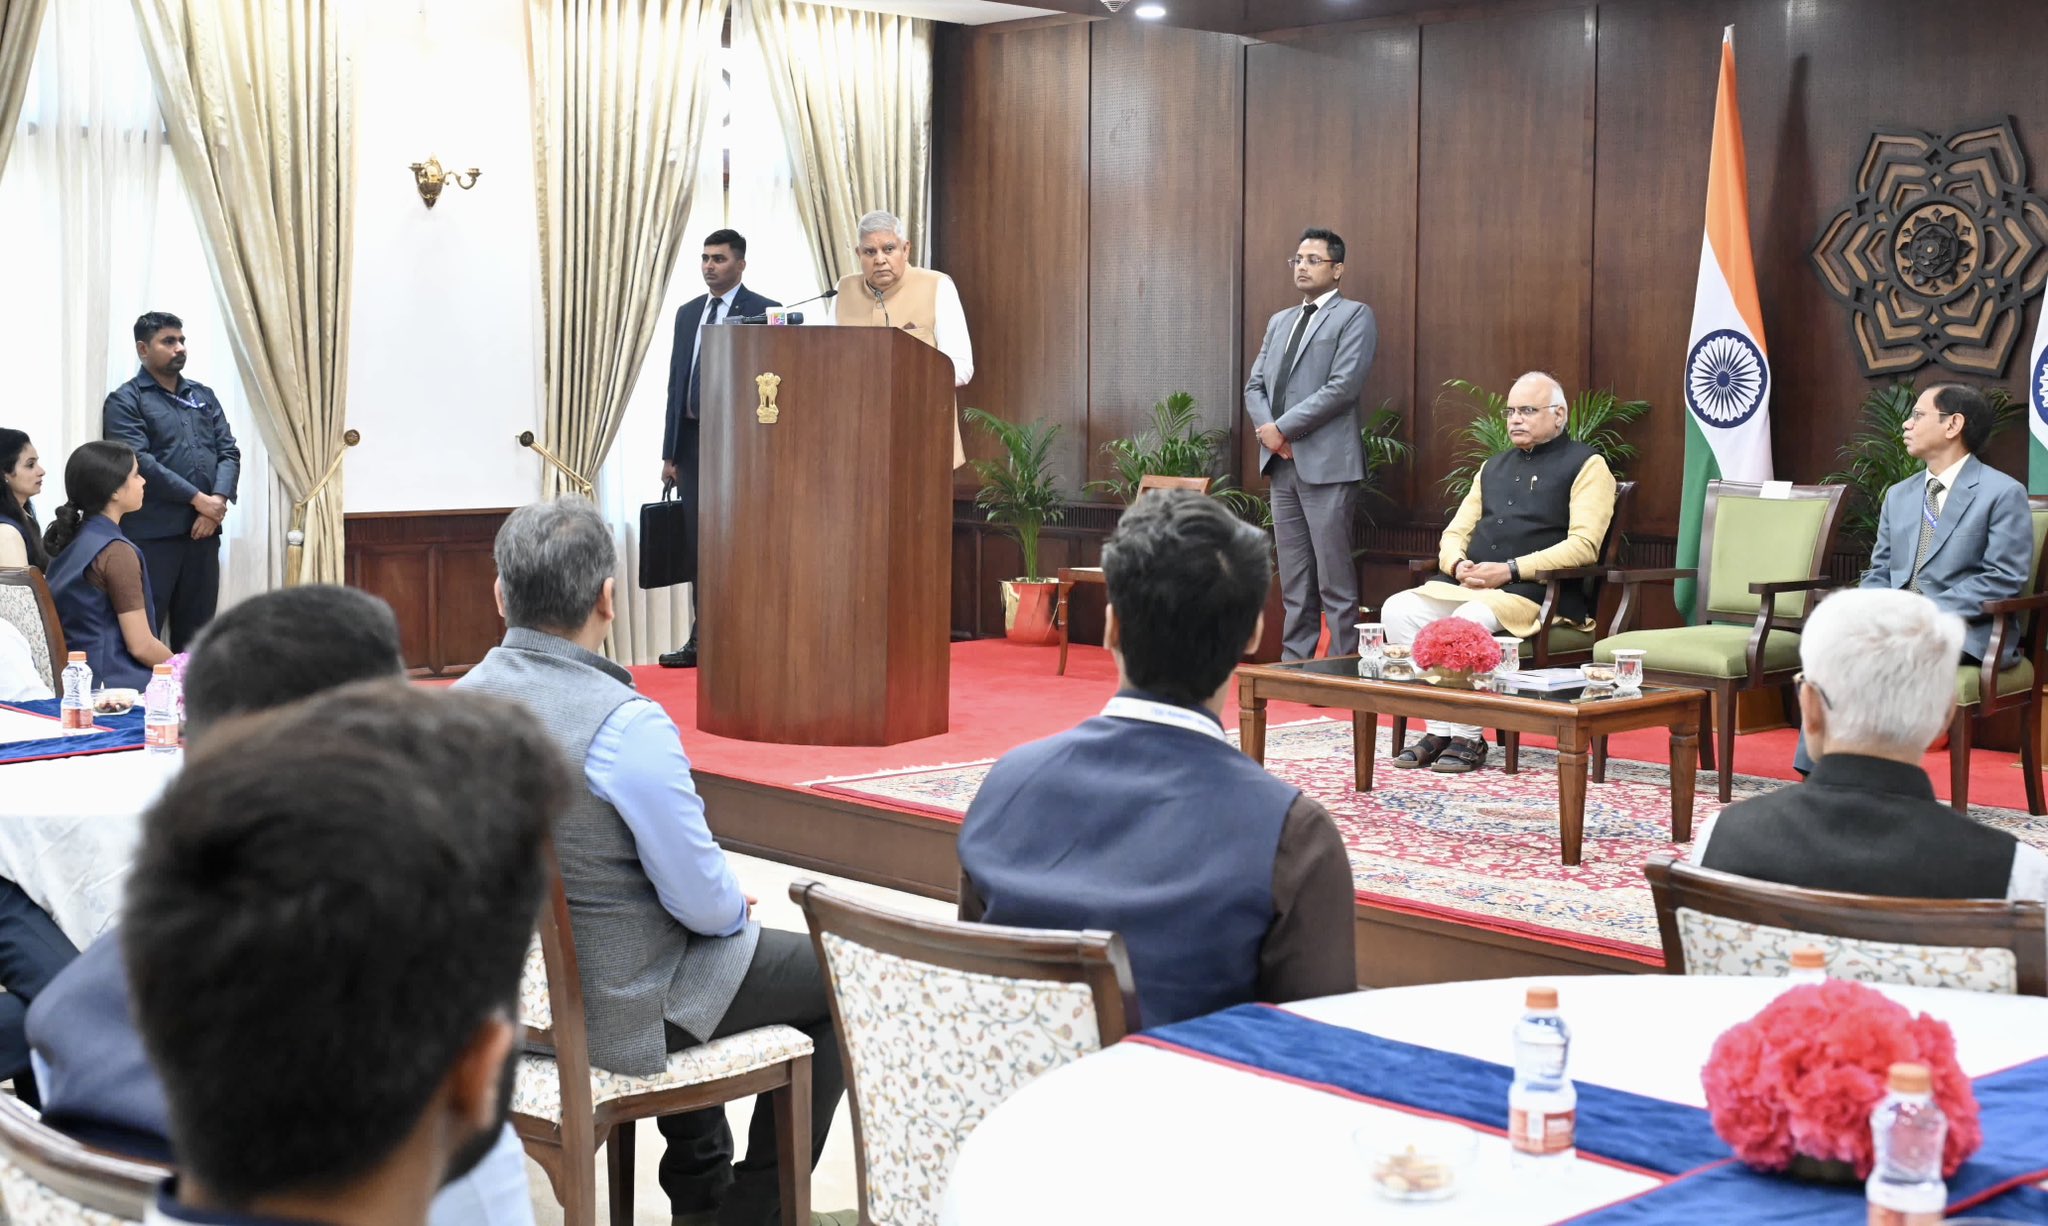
(1938, 250)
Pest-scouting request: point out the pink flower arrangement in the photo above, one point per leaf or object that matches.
(1456, 645)
(1801, 1077)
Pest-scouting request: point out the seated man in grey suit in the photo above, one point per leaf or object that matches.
(1302, 398)
(670, 955)
(1960, 533)
(1879, 684)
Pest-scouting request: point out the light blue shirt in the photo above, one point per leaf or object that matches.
(636, 764)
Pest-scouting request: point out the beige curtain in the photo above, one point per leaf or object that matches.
(621, 99)
(854, 92)
(257, 95)
(21, 24)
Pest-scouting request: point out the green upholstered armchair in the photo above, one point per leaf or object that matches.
(1985, 689)
(1760, 563)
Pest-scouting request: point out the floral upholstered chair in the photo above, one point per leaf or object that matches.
(48, 1179)
(26, 605)
(939, 1022)
(564, 1110)
(1716, 923)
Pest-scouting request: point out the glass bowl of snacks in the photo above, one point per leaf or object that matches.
(1398, 663)
(116, 701)
(1411, 1158)
(1599, 677)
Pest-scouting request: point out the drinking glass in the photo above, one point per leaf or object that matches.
(1510, 653)
(1372, 640)
(1628, 670)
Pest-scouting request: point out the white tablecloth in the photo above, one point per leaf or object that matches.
(68, 829)
(1139, 1134)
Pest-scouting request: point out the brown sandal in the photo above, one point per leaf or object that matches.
(1422, 753)
(1461, 755)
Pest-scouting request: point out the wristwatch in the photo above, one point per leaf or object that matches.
(1514, 571)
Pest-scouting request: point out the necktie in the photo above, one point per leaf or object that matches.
(1278, 401)
(1930, 514)
(710, 317)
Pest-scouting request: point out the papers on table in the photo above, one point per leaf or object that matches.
(21, 726)
(1545, 679)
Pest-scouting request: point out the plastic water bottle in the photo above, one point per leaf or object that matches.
(160, 712)
(1809, 965)
(1542, 1104)
(1906, 1132)
(76, 705)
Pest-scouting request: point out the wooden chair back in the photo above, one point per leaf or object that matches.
(551, 1011)
(1153, 481)
(25, 601)
(1749, 538)
(48, 1179)
(1984, 944)
(956, 987)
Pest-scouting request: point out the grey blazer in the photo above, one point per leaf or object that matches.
(1983, 548)
(1320, 416)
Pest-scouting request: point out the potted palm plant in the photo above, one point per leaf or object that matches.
(1019, 494)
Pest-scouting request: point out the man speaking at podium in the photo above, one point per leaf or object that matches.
(888, 293)
(724, 263)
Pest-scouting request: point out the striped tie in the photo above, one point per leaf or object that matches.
(1928, 516)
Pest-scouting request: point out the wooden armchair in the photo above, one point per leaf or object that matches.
(1761, 558)
(25, 601)
(1070, 575)
(48, 1179)
(1985, 689)
(940, 1021)
(1555, 646)
(1715, 923)
(564, 1110)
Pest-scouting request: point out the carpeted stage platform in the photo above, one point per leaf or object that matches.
(1457, 877)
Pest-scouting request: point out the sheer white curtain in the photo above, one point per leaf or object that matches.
(759, 202)
(89, 169)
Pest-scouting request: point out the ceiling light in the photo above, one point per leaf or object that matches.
(1114, 5)
(1150, 12)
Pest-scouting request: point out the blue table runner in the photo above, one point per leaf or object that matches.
(116, 732)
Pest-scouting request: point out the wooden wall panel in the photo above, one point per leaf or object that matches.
(1505, 227)
(1331, 128)
(1166, 151)
(434, 569)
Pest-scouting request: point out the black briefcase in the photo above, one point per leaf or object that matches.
(668, 540)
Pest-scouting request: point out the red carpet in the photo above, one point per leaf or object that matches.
(1004, 695)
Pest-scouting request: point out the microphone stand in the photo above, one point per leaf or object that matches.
(582, 483)
(295, 538)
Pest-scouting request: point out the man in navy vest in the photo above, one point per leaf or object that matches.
(1227, 884)
(1879, 683)
(1544, 504)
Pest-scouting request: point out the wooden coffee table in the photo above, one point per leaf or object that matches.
(1570, 716)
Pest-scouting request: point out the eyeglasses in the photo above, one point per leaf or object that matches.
(1313, 261)
(1800, 679)
(1525, 410)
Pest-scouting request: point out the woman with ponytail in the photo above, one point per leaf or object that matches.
(21, 478)
(96, 575)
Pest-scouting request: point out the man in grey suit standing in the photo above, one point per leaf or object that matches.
(1302, 398)
(1959, 533)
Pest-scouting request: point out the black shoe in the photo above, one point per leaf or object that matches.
(686, 657)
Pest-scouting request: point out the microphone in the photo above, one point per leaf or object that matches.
(883, 305)
(795, 319)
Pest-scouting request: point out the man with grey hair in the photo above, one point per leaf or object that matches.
(888, 293)
(670, 956)
(1544, 504)
(1879, 684)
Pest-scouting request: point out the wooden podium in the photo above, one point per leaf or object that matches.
(825, 541)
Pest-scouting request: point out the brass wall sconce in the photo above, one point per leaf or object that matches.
(430, 178)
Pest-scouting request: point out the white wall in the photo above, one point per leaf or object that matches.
(444, 357)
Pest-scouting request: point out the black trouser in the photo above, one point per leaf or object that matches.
(783, 984)
(184, 576)
(32, 950)
(1803, 761)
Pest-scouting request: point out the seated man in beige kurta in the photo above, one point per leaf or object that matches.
(889, 293)
(1542, 505)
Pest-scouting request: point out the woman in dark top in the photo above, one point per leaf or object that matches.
(96, 575)
(21, 478)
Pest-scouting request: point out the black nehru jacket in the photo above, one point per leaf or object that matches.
(1526, 506)
(1862, 825)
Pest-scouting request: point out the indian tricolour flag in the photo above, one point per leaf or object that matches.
(1727, 367)
(2037, 399)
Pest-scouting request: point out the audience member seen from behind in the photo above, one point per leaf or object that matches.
(312, 1075)
(1879, 684)
(264, 653)
(669, 952)
(97, 576)
(1227, 884)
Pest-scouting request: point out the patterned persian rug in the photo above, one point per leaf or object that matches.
(1478, 849)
